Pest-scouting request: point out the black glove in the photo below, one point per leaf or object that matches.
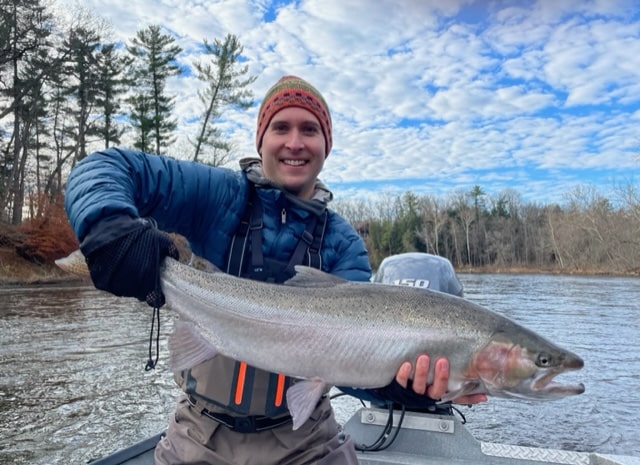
(397, 394)
(124, 255)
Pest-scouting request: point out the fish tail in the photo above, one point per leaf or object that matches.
(74, 263)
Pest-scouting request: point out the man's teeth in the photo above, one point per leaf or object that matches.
(294, 162)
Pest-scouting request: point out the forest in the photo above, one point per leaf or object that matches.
(66, 89)
(584, 233)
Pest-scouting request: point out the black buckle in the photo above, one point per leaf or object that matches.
(245, 425)
(307, 237)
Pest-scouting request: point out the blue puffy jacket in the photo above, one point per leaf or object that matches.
(205, 205)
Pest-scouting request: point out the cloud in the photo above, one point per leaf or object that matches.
(433, 95)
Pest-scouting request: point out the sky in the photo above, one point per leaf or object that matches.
(431, 96)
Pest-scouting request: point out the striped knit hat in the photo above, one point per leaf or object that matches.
(292, 91)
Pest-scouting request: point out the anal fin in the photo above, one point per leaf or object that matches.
(302, 399)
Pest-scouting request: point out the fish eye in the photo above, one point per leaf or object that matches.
(544, 359)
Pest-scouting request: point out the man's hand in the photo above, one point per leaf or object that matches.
(438, 388)
(124, 255)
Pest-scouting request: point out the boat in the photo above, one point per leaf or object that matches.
(415, 438)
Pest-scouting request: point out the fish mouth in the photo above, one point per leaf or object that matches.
(542, 385)
(546, 387)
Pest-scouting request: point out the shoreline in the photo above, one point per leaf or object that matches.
(16, 271)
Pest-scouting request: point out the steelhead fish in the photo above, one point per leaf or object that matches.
(331, 332)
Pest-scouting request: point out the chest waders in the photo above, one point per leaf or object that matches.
(256, 395)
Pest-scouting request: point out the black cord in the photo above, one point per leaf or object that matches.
(463, 419)
(380, 443)
(155, 318)
(384, 440)
(151, 364)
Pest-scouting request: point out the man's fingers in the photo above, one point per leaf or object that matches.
(440, 380)
(421, 374)
(402, 377)
(439, 386)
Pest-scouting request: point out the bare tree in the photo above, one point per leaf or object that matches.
(434, 217)
(465, 215)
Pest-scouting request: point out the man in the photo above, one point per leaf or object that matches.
(258, 223)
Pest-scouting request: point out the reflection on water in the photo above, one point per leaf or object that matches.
(74, 386)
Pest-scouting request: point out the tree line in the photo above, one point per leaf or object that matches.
(586, 233)
(65, 89)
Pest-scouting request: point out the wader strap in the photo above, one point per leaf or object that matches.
(304, 244)
(278, 385)
(257, 260)
(249, 229)
(313, 251)
(240, 240)
(243, 386)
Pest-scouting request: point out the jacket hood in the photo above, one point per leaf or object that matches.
(252, 167)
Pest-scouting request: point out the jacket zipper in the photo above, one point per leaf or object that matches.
(283, 216)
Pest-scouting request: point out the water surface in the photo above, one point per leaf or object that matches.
(74, 387)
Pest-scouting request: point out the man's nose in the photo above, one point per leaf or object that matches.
(294, 140)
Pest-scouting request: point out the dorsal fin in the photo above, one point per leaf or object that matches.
(311, 277)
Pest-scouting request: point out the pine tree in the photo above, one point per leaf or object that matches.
(155, 61)
(81, 48)
(24, 37)
(112, 82)
(225, 87)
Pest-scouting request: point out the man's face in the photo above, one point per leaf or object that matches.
(293, 151)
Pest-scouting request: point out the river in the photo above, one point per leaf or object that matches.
(73, 385)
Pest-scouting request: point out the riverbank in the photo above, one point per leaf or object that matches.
(15, 271)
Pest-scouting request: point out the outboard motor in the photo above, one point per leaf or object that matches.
(419, 269)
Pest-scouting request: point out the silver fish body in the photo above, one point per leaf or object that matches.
(358, 334)
(319, 327)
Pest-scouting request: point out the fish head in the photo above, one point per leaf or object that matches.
(526, 368)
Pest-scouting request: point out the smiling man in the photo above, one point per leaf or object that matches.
(258, 223)
(294, 135)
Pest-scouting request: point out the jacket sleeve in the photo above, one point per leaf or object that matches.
(351, 260)
(183, 197)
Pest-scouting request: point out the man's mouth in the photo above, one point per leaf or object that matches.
(294, 162)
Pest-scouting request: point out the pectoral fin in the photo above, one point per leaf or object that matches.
(467, 388)
(188, 348)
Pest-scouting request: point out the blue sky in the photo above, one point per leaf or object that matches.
(433, 96)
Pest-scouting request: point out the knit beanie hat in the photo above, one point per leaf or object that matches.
(292, 91)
